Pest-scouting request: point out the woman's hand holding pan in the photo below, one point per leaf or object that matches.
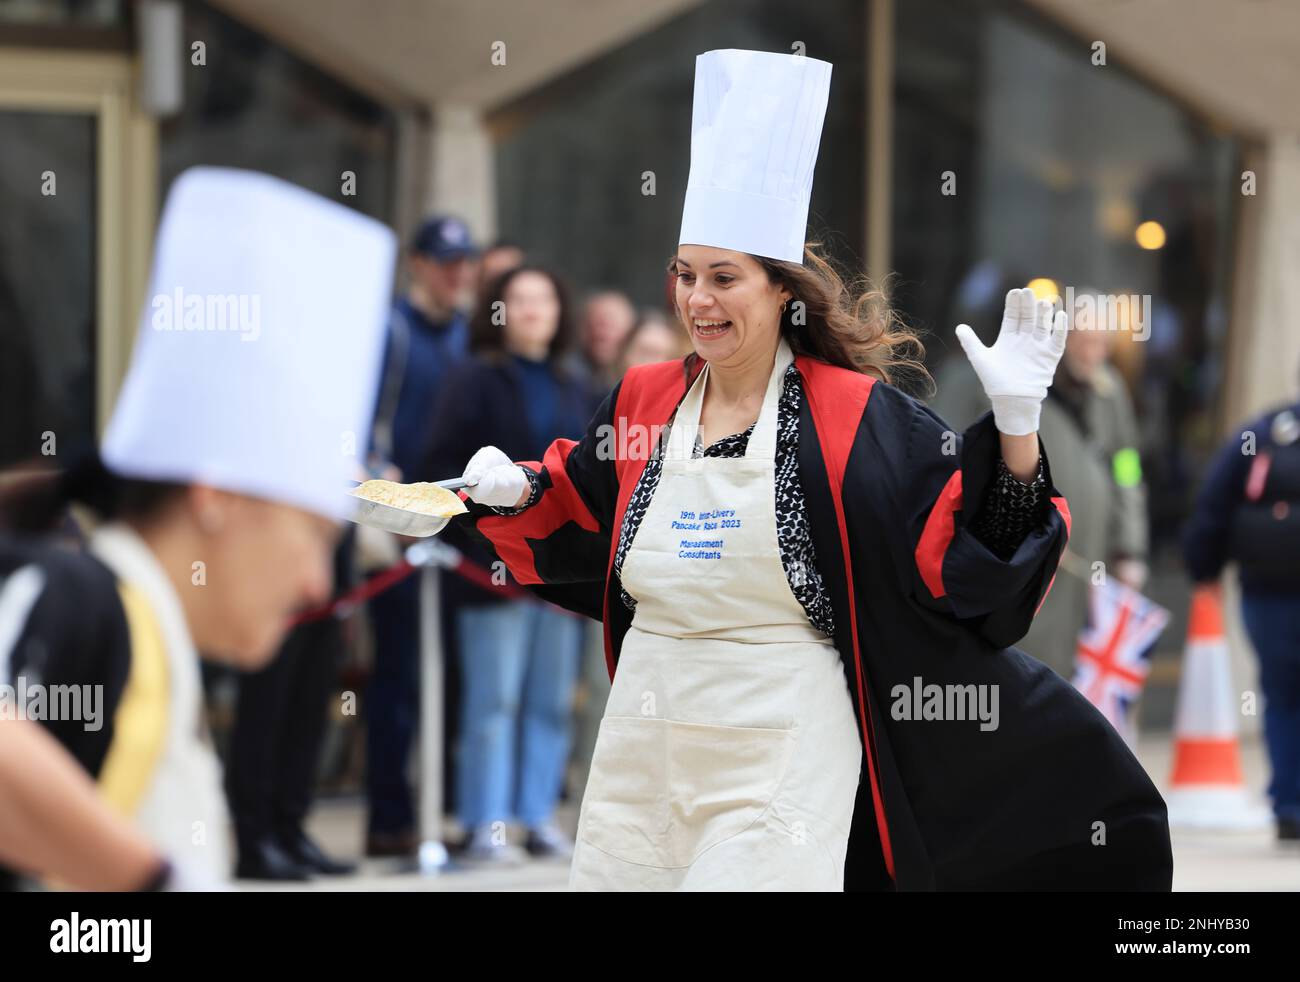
(493, 479)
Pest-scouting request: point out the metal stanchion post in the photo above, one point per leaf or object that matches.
(431, 557)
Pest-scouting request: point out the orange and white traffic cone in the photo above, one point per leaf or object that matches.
(1206, 788)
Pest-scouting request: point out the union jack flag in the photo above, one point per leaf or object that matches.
(1114, 652)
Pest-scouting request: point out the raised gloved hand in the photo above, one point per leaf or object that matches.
(1019, 367)
(494, 479)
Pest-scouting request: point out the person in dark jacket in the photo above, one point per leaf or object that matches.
(428, 335)
(518, 657)
(1248, 512)
(276, 742)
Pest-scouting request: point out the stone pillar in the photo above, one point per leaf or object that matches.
(461, 176)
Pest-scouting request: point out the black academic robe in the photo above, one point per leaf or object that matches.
(1049, 798)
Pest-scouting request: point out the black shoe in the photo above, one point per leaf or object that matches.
(386, 845)
(304, 851)
(263, 859)
(1288, 829)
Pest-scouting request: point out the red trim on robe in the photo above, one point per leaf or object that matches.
(939, 530)
(560, 505)
(1063, 507)
(937, 536)
(847, 392)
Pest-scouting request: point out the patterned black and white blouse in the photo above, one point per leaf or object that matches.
(1009, 512)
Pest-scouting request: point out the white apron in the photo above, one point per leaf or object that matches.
(728, 757)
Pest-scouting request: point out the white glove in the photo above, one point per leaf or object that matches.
(1019, 367)
(493, 479)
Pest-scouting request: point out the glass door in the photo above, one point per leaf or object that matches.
(77, 202)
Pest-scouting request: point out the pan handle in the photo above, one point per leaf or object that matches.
(451, 484)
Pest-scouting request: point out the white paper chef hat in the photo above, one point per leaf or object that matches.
(755, 130)
(258, 356)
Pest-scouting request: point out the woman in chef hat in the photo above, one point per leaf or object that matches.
(223, 477)
(791, 571)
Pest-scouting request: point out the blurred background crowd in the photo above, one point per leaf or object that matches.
(532, 159)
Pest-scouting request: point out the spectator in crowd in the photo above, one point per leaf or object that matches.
(428, 335)
(518, 657)
(654, 338)
(607, 319)
(1248, 512)
(276, 742)
(1088, 421)
(498, 258)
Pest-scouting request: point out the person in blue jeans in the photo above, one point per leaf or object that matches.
(518, 656)
(1248, 512)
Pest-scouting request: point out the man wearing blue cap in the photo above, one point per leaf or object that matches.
(428, 334)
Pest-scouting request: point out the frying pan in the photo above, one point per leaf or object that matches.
(403, 521)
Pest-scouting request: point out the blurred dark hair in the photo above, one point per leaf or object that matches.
(36, 499)
(485, 336)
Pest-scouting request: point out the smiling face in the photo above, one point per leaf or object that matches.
(730, 308)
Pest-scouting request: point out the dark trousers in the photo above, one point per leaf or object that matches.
(393, 705)
(279, 726)
(1273, 622)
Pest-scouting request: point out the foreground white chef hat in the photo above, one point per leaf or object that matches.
(257, 361)
(755, 130)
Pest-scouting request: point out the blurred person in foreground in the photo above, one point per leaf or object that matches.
(518, 657)
(53, 821)
(220, 484)
(1089, 422)
(1248, 512)
(428, 336)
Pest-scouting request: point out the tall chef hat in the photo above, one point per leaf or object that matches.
(755, 130)
(258, 355)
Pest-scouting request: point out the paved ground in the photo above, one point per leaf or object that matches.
(1202, 860)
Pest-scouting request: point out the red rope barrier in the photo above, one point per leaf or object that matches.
(390, 577)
